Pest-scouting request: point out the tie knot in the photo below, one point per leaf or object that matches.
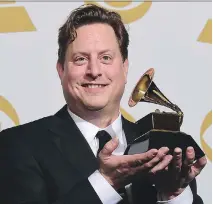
(103, 137)
(102, 133)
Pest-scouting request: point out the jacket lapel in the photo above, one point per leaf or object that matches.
(72, 143)
(74, 146)
(129, 130)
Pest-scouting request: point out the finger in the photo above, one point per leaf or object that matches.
(190, 156)
(199, 165)
(160, 155)
(177, 160)
(109, 147)
(162, 164)
(188, 162)
(140, 159)
(147, 165)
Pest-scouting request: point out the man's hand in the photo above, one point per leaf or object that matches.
(119, 170)
(172, 181)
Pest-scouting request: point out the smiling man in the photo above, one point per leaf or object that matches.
(93, 74)
(76, 156)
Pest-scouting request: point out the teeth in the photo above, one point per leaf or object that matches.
(94, 86)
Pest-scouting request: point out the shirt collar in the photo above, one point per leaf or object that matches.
(89, 130)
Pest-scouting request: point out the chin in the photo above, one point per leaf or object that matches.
(94, 107)
(95, 103)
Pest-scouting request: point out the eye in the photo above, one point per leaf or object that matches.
(80, 60)
(106, 59)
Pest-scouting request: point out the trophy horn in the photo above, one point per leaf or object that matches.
(146, 91)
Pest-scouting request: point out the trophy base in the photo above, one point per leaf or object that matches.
(158, 130)
(156, 139)
(164, 121)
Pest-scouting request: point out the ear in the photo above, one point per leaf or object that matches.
(126, 68)
(60, 70)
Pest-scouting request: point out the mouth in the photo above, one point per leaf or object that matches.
(93, 86)
(94, 89)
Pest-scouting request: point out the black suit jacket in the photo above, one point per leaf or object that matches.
(49, 161)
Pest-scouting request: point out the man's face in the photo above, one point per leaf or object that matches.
(94, 74)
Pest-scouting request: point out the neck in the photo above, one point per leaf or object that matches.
(99, 118)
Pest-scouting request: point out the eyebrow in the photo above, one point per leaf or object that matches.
(107, 50)
(87, 53)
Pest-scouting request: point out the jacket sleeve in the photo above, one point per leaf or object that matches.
(196, 198)
(143, 191)
(23, 184)
(22, 180)
(19, 188)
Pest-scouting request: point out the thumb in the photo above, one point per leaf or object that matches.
(109, 147)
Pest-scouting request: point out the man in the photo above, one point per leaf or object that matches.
(63, 158)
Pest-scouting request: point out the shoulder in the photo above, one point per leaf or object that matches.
(24, 135)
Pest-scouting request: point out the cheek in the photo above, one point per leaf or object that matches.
(119, 74)
(73, 75)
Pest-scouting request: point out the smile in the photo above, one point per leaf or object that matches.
(94, 89)
(94, 85)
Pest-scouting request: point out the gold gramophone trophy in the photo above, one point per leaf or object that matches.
(158, 129)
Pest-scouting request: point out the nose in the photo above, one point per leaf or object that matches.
(94, 69)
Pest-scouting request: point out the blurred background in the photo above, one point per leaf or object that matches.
(174, 38)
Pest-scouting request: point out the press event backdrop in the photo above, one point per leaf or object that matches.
(172, 37)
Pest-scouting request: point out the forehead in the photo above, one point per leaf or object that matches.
(95, 37)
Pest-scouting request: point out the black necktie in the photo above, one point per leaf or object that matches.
(103, 137)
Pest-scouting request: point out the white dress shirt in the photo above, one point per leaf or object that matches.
(106, 193)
